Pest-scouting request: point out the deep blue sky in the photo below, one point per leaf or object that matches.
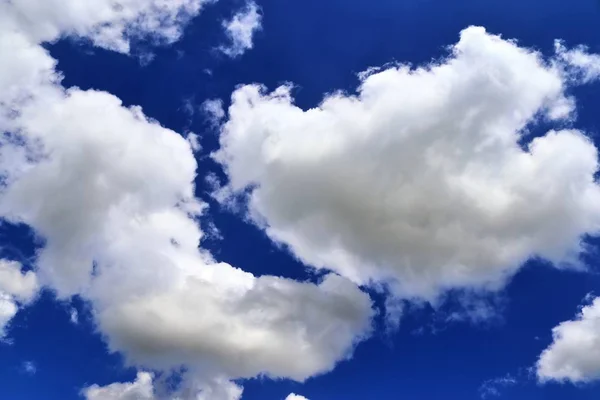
(319, 45)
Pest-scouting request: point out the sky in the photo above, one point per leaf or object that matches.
(299, 200)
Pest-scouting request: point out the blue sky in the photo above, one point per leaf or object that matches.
(467, 330)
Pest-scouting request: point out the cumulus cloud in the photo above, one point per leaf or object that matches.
(419, 180)
(143, 388)
(584, 64)
(240, 30)
(111, 194)
(140, 389)
(119, 229)
(16, 289)
(23, 286)
(294, 396)
(574, 354)
(110, 24)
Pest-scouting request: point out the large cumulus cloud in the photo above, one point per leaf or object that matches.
(111, 194)
(420, 179)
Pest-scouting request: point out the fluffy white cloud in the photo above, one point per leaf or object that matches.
(16, 288)
(107, 23)
(8, 309)
(240, 30)
(574, 354)
(143, 388)
(213, 108)
(111, 193)
(294, 396)
(249, 326)
(419, 179)
(585, 65)
(22, 286)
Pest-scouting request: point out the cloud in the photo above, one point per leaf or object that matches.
(213, 108)
(119, 231)
(110, 192)
(110, 24)
(74, 316)
(8, 309)
(492, 388)
(574, 354)
(29, 368)
(194, 141)
(294, 396)
(586, 66)
(16, 289)
(23, 286)
(143, 388)
(419, 180)
(240, 30)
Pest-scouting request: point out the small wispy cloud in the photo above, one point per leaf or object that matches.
(74, 316)
(240, 30)
(214, 111)
(194, 141)
(493, 387)
(29, 367)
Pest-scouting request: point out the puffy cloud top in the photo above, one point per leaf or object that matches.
(240, 30)
(574, 354)
(141, 389)
(294, 396)
(420, 180)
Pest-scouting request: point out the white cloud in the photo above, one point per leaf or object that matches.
(16, 289)
(107, 23)
(194, 141)
(294, 396)
(574, 354)
(493, 387)
(240, 30)
(111, 193)
(249, 326)
(22, 286)
(118, 185)
(143, 388)
(585, 65)
(419, 180)
(213, 108)
(8, 309)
